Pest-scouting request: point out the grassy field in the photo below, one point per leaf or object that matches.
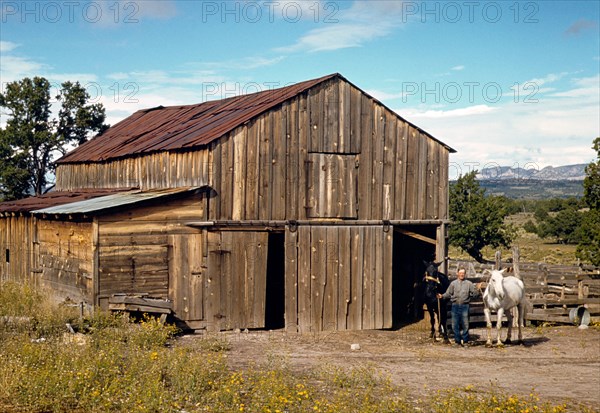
(113, 365)
(531, 247)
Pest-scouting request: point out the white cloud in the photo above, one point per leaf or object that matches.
(584, 87)
(251, 62)
(458, 68)
(123, 93)
(15, 68)
(339, 36)
(557, 130)
(549, 78)
(453, 113)
(384, 96)
(352, 27)
(7, 46)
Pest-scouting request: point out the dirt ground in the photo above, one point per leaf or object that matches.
(559, 363)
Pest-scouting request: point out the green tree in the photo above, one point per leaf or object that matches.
(562, 225)
(477, 220)
(591, 183)
(31, 140)
(589, 231)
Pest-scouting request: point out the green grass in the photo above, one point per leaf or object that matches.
(120, 366)
(531, 247)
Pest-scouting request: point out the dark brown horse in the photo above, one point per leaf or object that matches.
(435, 283)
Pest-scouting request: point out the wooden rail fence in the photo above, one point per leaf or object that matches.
(552, 290)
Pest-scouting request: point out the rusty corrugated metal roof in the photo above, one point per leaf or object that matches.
(55, 198)
(185, 127)
(180, 127)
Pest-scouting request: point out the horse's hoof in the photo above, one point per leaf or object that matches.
(508, 341)
(488, 344)
(500, 344)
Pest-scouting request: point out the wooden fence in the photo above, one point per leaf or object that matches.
(552, 290)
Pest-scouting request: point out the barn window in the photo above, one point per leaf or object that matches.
(7, 255)
(332, 183)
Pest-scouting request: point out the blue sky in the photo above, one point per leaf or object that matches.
(513, 83)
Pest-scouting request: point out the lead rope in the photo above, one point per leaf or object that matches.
(429, 278)
(440, 316)
(481, 290)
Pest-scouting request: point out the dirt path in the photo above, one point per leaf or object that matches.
(558, 363)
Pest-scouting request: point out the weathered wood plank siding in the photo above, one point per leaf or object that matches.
(17, 251)
(380, 167)
(135, 248)
(65, 258)
(187, 277)
(331, 152)
(266, 168)
(158, 170)
(236, 279)
(344, 277)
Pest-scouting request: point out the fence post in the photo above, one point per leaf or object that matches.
(580, 292)
(517, 273)
(498, 257)
(516, 259)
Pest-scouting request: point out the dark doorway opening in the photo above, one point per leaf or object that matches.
(275, 293)
(407, 274)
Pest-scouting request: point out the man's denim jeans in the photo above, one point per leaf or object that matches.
(460, 320)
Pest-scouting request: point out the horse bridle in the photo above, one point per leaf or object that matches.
(430, 278)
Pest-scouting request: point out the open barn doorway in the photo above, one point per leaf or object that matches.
(275, 288)
(407, 273)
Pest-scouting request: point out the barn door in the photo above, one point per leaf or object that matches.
(186, 276)
(237, 280)
(343, 278)
(332, 183)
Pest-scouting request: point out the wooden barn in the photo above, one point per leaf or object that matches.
(309, 207)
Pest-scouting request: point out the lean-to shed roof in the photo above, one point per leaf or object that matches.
(89, 201)
(112, 201)
(52, 199)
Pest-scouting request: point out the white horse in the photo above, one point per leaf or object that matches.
(501, 295)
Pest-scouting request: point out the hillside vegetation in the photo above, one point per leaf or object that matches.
(532, 248)
(533, 189)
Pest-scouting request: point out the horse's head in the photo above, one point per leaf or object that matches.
(431, 268)
(495, 283)
(432, 280)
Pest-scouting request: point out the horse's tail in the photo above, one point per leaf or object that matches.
(527, 306)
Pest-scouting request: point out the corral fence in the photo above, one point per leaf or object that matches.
(556, 293)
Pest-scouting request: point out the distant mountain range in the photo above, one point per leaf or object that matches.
(549, 173)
